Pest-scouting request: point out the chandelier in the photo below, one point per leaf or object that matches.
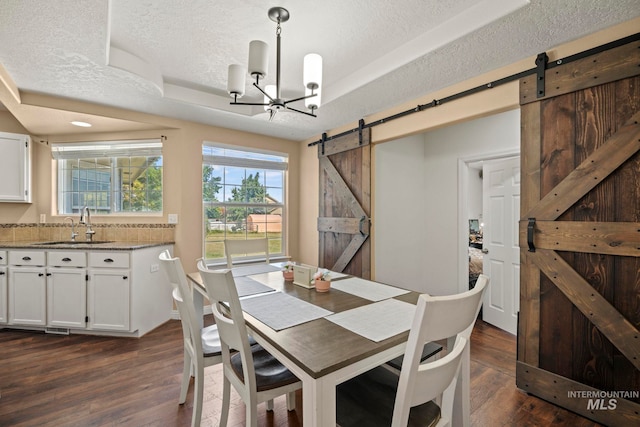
(258, 63)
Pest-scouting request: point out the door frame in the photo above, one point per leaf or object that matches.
(463, 209)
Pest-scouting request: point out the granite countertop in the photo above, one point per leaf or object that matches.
(82, 245)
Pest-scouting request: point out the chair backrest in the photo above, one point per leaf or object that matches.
(452, 314)
(227, 312)
(233, 247)
(184, 301)
(421, 383)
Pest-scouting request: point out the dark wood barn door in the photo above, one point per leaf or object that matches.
(345, 204)
(580, 237)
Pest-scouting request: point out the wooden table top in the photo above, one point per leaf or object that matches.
(319, 347)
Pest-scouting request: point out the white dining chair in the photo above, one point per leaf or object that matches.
(202, 347)
(380, 398)
(234, 248)
(254, 373)
(450, 318)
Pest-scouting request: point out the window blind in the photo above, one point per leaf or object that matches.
(83, 150)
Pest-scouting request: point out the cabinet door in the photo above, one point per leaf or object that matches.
(108, 299)
(27, 296)
(14, 168)
(3, 295)
(66, 297)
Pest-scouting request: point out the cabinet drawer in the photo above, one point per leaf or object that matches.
(67, 259)
(3, 257)
(109, 259)
(27, 258)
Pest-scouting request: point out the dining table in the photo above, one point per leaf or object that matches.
(324, 338)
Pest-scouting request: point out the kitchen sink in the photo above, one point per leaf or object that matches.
(69, 242)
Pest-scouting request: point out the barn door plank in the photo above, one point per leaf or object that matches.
(618, 149)
(610, 238)
(594, 306)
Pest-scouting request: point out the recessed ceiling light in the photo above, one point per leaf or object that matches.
(81, 124)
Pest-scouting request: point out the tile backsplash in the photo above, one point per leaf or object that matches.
(114, 232)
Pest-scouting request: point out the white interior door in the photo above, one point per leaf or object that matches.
(501, 261)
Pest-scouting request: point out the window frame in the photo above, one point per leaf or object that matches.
(248, 164)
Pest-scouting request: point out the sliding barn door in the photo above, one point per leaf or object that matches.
(345, 204)
(580, 237)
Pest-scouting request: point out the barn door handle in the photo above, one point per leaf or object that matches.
(530, 231)
(363, 219)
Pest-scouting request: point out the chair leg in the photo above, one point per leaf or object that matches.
(226, 401)
(462, 396)
(198, 392)
(291, 401)
(252, 415)
(269, 404)
(186, 377)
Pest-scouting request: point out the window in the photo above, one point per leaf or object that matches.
(243, 197)
(109, 177)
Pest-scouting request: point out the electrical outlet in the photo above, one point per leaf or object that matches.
(172, 218)
(155, 267)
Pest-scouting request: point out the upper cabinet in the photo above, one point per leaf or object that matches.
(15, 168)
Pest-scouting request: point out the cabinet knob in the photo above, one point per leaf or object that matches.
(125, 277)
(40, 274)
(2, 273)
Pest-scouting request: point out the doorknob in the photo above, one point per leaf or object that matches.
(485, 251)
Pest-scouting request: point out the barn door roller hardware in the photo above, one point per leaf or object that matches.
(541, 66)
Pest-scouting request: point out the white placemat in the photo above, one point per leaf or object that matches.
(280, 311)
(373, 291)
(377, 321)
(247, 270)
(247, 286)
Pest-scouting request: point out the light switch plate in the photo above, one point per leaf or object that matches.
(172, 218)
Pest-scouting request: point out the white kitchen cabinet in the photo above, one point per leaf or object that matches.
(109, 294)
(66, 289)
(15, 168)
(3, 287)
(118, 292)
(27, 303)
(27, 296)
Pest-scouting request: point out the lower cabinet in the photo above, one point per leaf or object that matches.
(118, 292)
(108, 300)
(66, 297)
(27, 296)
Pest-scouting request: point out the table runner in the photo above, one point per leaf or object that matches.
(280, 311)
(377, 321)
(247, 286)
(373, 291)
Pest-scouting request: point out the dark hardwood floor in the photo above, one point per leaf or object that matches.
(77, 380)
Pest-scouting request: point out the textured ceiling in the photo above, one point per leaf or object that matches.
(170, 57)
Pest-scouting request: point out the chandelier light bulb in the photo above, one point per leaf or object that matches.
(312, 74)
(258, 60)
(236, 80)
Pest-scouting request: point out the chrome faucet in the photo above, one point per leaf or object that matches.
(73, 230)
(89, 232)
